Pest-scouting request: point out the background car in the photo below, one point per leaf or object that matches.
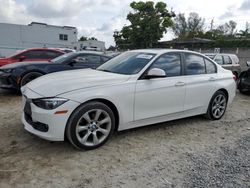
(227, 61)
(16, 75)
(112, 54)
(66, 50)
(34, 54)
(136, 88)
(244, 80)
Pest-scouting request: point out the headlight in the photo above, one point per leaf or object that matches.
(49, 103)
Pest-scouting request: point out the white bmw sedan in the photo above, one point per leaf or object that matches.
(134, 89)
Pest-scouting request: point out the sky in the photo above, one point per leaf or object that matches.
(99, 18)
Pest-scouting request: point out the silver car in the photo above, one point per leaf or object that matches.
(227, 61)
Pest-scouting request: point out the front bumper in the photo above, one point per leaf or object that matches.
(7, 82)
(56, 123)
(245, 83)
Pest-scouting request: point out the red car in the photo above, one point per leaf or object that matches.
(34, 54)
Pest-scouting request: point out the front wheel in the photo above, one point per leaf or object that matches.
(29, 77)
(242, 91)
(90, 126)
(240, 87)
(217, 106)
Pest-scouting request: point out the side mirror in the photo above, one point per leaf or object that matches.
(21, 58)
(155, 73)
(72, 62)
(248, 63)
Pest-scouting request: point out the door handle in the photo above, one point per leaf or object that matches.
(212, 79)
(179, 84)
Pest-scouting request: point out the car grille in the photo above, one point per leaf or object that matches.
(28, 117)
(27, 107)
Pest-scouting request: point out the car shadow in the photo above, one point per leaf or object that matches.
(6, 92)
(165, 125)
(247, 93)
(38, 145)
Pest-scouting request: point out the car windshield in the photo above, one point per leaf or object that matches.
(63, 58)
(211, 56)
(16, 53)
(127, 63)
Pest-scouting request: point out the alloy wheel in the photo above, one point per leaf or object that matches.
(93, 127)
(219, 105)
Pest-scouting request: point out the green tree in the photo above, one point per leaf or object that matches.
(121, 42)
(223, 32)
(149, 22)
(228, 29)
(83, 38)
(246, 32)
(92, 38)
(232, 25)
(180, 27)
(190, 27)
(196, 25)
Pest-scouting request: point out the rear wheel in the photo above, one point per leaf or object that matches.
(90, 126)
(29, 77)
(217, 106)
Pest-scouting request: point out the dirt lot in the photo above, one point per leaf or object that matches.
(192, 152)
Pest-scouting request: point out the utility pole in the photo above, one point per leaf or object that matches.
(212, 24)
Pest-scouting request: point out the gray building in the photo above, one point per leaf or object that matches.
(15, 37)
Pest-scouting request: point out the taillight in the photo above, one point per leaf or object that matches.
(235, 78)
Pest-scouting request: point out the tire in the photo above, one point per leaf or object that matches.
(241, 89)
(29, 77)
(217, 106)
(90, 126)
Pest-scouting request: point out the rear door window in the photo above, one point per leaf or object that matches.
(51, 54)
(194, 64)
(210, 67)
(227, 60)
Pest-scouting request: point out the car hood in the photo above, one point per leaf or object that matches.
(4, 61)
(21, 64)
(62, 82)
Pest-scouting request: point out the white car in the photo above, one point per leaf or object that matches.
(134, 89)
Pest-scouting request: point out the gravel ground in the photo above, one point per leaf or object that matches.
(192, 152)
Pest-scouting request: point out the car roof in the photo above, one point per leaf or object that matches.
(91, 52)
(31, 49)
(162, 51)
(218, 54)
